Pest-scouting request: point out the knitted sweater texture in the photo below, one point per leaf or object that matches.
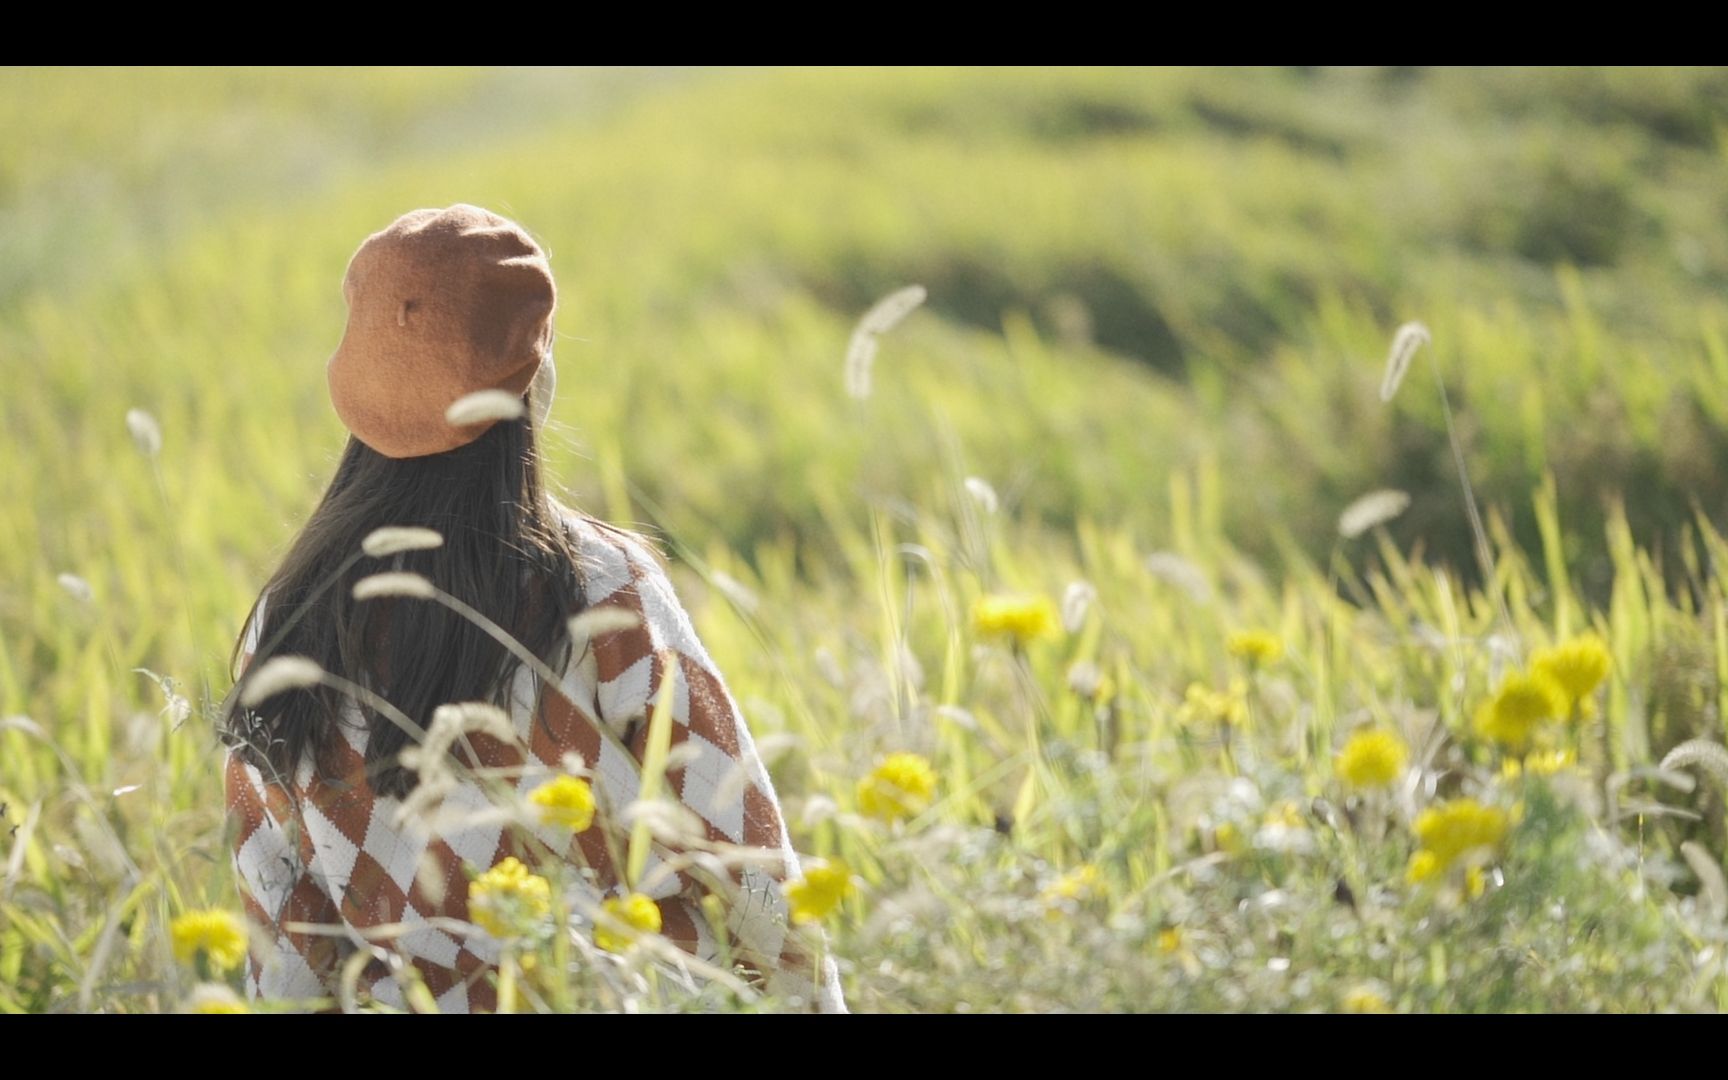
(323, 850)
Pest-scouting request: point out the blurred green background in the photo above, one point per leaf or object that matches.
(1130, 272)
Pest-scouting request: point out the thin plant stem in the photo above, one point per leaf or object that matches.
(1484, 554)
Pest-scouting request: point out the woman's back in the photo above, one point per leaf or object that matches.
(326, 848)
(449, 671)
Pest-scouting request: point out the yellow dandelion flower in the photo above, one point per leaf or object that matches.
(1076, 884)
(218, 936)
(900, 787)
(1019, 618)
(1229, 839)
(1169, 940)
(1475, 882)
(1549, 762)
(1462, 825)
(1258, 647)
(1204, 705)
(1424, 864)
(507, 900)
(816, 896)
(1372, 759)
(565, 801)
(624, 919)
(1578, 667)
(214, 1007)
(1512, 716)
(1364, 1000)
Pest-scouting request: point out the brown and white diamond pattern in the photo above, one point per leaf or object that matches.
(379, 873)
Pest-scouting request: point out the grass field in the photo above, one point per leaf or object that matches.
(1144, 387)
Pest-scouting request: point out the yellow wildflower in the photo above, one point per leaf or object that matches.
(714, 909)
(565, 801)
(1203, 705)
(1255, 646)
(1106, 689)
(1229, 839)
(218, 936)
(900, 787)
(1424, 864)
(507, 899)
(1364, 1000)
(1577, 667)
(1475, 882)
(1169, 940)
(1287, 813)
(1539, 763)
(214, 999)
(623, 919)
(1462, 825)
(1076, 884)
(1088, 681)
(1372, 759)
(815, 896)
(1020, 618)
(1518, 708)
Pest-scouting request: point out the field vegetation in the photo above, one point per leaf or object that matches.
(1215, 697)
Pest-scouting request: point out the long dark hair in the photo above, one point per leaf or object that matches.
(506, 552)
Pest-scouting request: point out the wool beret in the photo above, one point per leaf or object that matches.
(441, 304)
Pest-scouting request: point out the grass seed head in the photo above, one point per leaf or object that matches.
(483, 406)
(76, 587)
(1410, 337)
(146, 432)
(1706, 755)
(278, 675)
(394, 584)
(395, 538)
(1372, 509)
(599, 621)
(982, 493)
(881, 318)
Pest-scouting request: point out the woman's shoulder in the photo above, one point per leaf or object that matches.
(611, 558)
(590, 530)
(627, 571)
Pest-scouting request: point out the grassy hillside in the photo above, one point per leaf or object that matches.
(1159, 308)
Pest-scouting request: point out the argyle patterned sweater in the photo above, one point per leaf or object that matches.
(325, 850)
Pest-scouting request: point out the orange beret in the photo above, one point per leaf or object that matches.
(441, 304)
